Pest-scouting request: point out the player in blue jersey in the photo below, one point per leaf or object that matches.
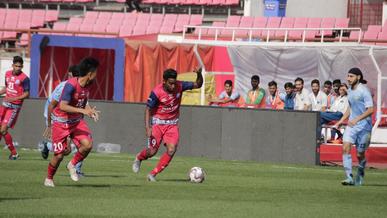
(358, 131)
(51, 103)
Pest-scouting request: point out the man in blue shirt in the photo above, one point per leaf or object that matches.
(290, 96)
(51, 102)
(359, 127)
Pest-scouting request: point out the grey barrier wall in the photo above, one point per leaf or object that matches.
(218, 133)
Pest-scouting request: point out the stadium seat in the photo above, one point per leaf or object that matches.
(59, 26)
(246, 22)
(382, 36)
(85, 27)
(126, 31)
(182, 19)
(196, 19)
(298, 23)
(259, 22)
(104, 15)
(342, 22)
(354, 36)
(327, 22)
(372, 33)
(313, 22)
(214, 31)
(272, 22)
(139, 30)
(51, 16)
(286, 22)
(117, 16)
(9, 34)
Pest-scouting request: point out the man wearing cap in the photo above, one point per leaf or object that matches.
(359, 127)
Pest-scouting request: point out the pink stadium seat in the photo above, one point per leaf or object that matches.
(143, 17)
(196, 19)
(327, 22)
(99, 29)
(218, 2)
(374, 28)
(116, 22)
(213, 31)
(59, 26)
(259, 22)
(153, 29)
(139, 30)
(372, 33)
(126, 31)
(354, 36)
(92, 14)
(158, 17)
(313, 22)
(246, 22)
(23, 25)
(104, 15)
(232, 21)
(342, 22)
(298, 23)
(382, 36)
(75, 20)
(102, 21)
(117, 16)
(167, 29)
(38, 13)
(25, 15)
(111, 28)
(272, 22)
(52, 16)
(85, 27)
(287, 22)
(129, 23)
(170, 18)
(231, 2)
(74, 26)
(183, 19)
(9, 35)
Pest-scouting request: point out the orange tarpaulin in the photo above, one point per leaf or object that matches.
(146, 61)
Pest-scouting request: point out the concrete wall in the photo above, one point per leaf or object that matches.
(219, 133)
(304, 8)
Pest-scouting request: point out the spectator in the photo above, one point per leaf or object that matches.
(338, 108)
(327, 87)
(228, 98)
(317, 98)
(273, 100)
(335, 93)
(289, 98)
(302, 101)
(255, 95)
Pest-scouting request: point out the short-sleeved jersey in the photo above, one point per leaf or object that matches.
(166, 105)
(16, 85)
(55, 95)
(234, 96)
(76, 96)
(359, 100)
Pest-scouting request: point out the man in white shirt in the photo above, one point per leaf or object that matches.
(302, 101)
(317, 98)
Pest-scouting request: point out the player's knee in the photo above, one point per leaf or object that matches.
(88, 145)
(171, 151)
(59, 157)
(3, 131)
(152, 152)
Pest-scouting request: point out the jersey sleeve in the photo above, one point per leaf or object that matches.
(222, 95)
(368, 102)
(26, 84)
(57, 92)
(67, 92)
(187, 86)
(152, 100)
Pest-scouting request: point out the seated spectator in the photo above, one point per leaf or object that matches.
(255, 95)
(337, 110)
(228, 98)
(302, 101)
(317, 98)
(334, 93)
(327, 87)
(273, 100)
(289, 98)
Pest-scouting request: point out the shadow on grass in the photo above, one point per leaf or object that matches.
(99, 186)
(98, 176)
(175, 180)
(16, 199)
(376, 185)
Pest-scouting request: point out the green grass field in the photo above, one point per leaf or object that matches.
(231, 189)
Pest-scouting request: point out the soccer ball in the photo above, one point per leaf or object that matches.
(196, 175)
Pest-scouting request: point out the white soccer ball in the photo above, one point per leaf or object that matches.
(196, 175)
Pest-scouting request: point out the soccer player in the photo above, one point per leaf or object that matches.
(51, 103)
(358, 131)
(302, 101)
(68, 120)
(17, 88)
(161, 120)
(256, 95)
(317, 98)
(227, 98)
(273, 100)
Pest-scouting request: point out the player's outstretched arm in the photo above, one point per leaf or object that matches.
(199, 79)
(148, 128)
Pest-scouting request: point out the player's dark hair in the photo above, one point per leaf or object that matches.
(272, 83)
(255, 77)
(169, 74)
(336, 81)
(356, 71)
(18, 59)
(328, 82)
(288, 85)
(74, 69)
(299, 79)
(87, 65)
(229, 82)
(315, 81)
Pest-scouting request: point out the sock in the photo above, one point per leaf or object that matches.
(51, 170)
(142, 155)
(9, 142)
(77, 158)
(347, 163)
(361, 167)
(163, 163)
(78, 166)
